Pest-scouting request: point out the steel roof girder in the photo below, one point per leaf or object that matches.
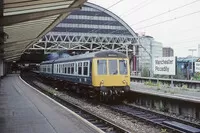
(9, 20)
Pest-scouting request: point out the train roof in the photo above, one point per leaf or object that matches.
(47, 62)
(100, 54)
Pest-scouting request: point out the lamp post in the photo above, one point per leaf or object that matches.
(192, 56)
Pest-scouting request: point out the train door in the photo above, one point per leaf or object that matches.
(76, 71)
(75, 68)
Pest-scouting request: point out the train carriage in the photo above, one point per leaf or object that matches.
(104, 73)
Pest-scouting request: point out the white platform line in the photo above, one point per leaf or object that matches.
(79, 117)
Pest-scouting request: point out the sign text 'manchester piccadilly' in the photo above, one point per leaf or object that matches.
(164, 66)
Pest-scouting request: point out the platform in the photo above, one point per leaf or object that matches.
(185, 94)
(24, 110)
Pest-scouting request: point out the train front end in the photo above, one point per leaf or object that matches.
(111, 76)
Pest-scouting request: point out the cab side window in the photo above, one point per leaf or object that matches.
(123, 67)
(85, 68)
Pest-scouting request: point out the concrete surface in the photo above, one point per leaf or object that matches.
(23, 110)
(167, 91)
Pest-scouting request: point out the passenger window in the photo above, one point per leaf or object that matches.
(113, 69)
(102, 67)
(80, 68)
(90, 68)
(123, 67)
(59, 68)
(68, 69)
(75, 68)
(72, 68)
(48, 68)
(65, 68)
(85, 68)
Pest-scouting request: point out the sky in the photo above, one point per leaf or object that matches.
(177, 27)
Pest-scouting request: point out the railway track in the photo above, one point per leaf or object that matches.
(101, 123)
(167, 122)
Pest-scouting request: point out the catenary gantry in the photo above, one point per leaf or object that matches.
(24, 22)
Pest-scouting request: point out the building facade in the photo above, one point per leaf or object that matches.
(168, 52)
(148, 50)
(92, 28)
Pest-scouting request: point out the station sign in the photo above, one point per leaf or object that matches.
(164, 65)
(197, 66)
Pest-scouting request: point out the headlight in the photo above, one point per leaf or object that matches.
(101, 83)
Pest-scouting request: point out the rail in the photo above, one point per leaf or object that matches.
(101, 123)
(175, 82)
(167, 122)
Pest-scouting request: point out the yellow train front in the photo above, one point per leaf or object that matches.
(111, 74)
(103, 74)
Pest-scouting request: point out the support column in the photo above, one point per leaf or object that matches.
(1, 68)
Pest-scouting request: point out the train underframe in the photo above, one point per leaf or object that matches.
(101, 93)
(113, 93)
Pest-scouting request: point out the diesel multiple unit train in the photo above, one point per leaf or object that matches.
(103, 74)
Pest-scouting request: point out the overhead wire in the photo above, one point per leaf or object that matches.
(103, 10)
(138, 5)
(153, 16)
(165, 21)
(114, 4)
(136, 9)
(174, 9)
(177, 8)
(163, 13)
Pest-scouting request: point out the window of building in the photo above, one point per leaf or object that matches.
(102, 67)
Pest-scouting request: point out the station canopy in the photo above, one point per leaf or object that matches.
(24, 22)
